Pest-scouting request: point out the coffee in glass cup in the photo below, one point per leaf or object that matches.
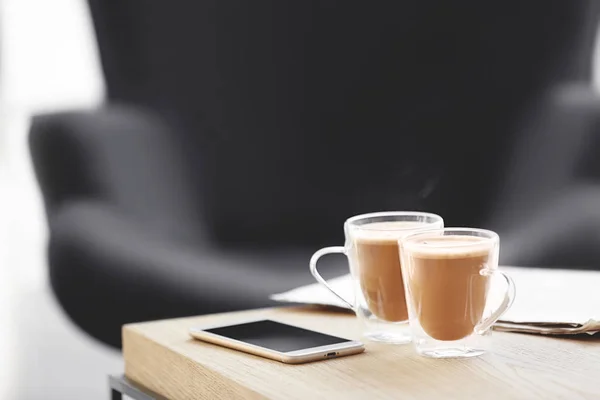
(373, 255)
(447, 276)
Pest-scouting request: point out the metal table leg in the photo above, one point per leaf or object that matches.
(120, 385)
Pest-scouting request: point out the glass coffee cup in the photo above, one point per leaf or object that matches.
(448, 279)
(373, 255)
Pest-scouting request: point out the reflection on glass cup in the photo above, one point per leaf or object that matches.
(447, 276)
(373, 254)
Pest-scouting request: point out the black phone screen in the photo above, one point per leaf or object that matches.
(276, 336)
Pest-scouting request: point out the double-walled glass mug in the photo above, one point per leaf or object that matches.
(448, 278)
(373, 254)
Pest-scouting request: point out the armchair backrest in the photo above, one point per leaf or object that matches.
(299, 114)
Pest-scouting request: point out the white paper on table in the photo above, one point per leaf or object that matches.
(544, 296)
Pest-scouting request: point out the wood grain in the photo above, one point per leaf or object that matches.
(161, 356)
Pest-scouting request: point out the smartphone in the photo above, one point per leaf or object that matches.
(277, 341)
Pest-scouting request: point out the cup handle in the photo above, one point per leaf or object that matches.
(509, 298)
(313, 269)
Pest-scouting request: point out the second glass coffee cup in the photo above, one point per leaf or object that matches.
(448, 278)
(373, 255)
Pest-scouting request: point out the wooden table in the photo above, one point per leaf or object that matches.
(163, 358)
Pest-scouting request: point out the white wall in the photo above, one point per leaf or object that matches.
(48, 62)
(49, 57)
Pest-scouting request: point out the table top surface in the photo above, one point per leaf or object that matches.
(161, 356)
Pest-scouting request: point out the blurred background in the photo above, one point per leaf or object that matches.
(187, 159)
(48, 61)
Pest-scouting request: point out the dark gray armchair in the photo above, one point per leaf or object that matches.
(237, 136)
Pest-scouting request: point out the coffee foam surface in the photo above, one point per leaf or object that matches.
(385, 231)
(458, 246)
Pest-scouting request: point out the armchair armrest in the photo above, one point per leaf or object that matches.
(548, 212)
(561, 233)
(552, 152)
(589, 163)
(121, 155)
(107, 270)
